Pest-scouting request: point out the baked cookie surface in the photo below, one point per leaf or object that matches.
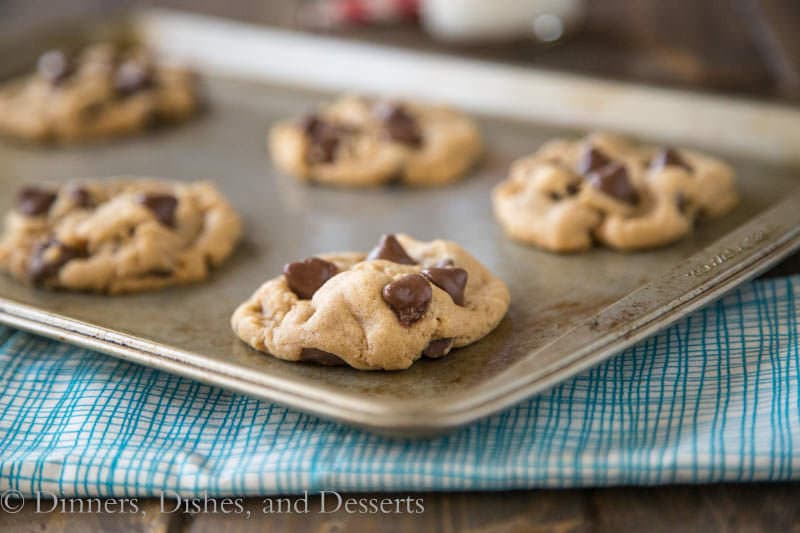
(603, 188)
(102, 92)
(358, 142)
(117, 236)
(381, 310)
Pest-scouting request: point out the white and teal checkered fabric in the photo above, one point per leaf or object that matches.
(713, 398)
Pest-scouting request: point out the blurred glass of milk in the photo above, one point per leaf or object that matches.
(500, 20)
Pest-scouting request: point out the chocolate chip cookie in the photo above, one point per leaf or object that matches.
(383, 310)
(604, 188)
(117, 236)
(103, 92)
(357, 141)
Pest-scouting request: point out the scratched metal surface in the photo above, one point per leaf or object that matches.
(286, 220)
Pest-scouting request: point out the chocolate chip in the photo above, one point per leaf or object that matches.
(55, 67)
(131, 77)
(613, 180)
(573, 189)
(82, 198)
(401, 125)
(681, 202)
(450, 280)
(47, 259)
(311, 125)
(325, 137)
(591, 160)
(35, 201)
(321, 357)
(390, 249)
(306, 277)
(438, 348)
(162, 206)
(668, 157)
(322, 150)
(408, 297)
(570, 190)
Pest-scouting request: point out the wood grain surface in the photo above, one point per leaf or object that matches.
(705, 508)
(742, 47)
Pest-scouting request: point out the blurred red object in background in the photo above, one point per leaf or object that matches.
(337, 13)
(453, 20)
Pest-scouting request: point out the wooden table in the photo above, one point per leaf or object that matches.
(743, 47)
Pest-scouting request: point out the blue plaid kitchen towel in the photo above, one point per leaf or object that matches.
(712, 398)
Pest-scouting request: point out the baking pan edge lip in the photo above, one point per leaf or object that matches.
(778, 141)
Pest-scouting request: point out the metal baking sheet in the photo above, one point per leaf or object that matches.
(567, 312)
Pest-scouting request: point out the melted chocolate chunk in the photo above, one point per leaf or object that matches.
(47, 259)
(438, 348)
(325, 138)
(591, 160)
(408, 297)
(613, 180)
(82, 198)
(453, 281)
(320, 357)
(573, 189)
(668, 157)
(390, 249)
(131, 77)
(35, 201)
(55, 67)
(306, 277)
(570, 190)
(310, 124)
(401, 125)
(163, 206)
(682, 203)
